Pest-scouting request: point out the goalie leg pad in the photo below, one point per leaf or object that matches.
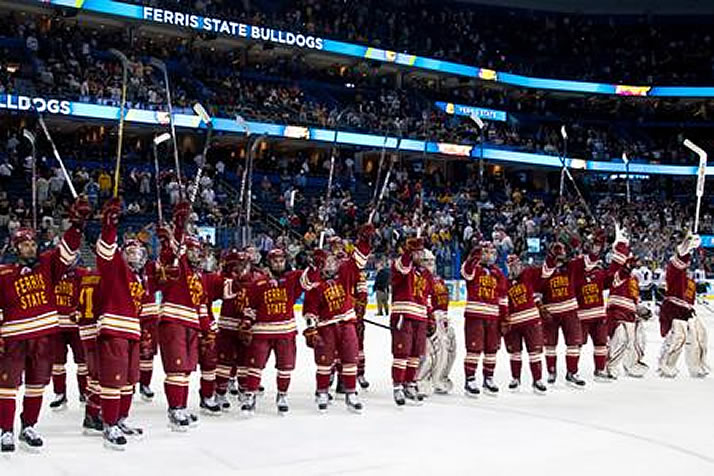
(697, 348)
(672, 348)
(619, 342)
(634, 355)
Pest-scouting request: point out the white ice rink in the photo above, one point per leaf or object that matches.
(646, 427)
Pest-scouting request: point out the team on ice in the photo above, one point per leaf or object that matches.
(114, 324)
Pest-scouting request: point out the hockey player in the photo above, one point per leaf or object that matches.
(87, 308)
(269, 325)
(412, 286)
(678, 316)
(331, 319)
(486, 307)
(184, 320)
(66, 294)
(150, 317)
(523, 322)
(28, 321)
(625, 318)
(441, 343)
(122, 291)
(590, 287)
(559, 310)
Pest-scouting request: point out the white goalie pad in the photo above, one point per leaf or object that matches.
(617, 347)
(672, 348)
(439, 359)
(635, 353)
(696, 349)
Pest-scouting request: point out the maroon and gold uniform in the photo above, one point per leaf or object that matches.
(150, 316)
(412, 289)
(122, 292)
(28, 322)
(523, 322)
(678, 287)
(486, 307)
(87, 311)
(66, 296)
(330, 306)
(270, 312)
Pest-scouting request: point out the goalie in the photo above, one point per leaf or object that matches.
(441, 345)
(679, 324)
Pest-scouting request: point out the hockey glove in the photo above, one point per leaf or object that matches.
(312, 337)
(360, 309)
(431, 328)
(111, 212)
(366, 232)
(245, 332)
(79, 212)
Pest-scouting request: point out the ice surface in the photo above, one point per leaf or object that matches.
(646, 427)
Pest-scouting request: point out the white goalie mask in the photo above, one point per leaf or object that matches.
(135, 254)
(428, 260)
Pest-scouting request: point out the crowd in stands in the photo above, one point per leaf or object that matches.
(72, 63)
(631, 49)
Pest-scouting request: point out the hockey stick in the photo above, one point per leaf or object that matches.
(206, 119)
(160, 65)
(384, 185)
(31, 138)
(481, 126)
(420, 229)
(248, 187)
(627, 174)
(565, 171)
(383, 326)
(125, 73)
(57, 156)
(701, 177)
(158, 140)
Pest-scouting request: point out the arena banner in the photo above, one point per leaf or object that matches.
(299, 40)
(29, 105)
(468, 111)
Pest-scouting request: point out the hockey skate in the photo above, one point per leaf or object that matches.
(471, 388)
(552, 377)
(281, 402)
(603, 376)
(363, 383)
(248, 406)
(7, 442)
(30, 440)
(411, 393)
(59, 403)
(322, 400)
(353, 403)
(444, 387)
(222, 401)
(192, 418)
(209, 406)
(114, 439)
(233, 387)
(92, 426)
(539, 387)
(515, 385)
(146, 393)
(574, 381)
(489, 388)
(178, 420)
(399, 397)
(128, 430)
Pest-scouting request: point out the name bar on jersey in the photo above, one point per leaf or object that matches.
(12, 103)
(262, 33)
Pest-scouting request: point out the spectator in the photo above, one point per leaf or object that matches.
(382, 286)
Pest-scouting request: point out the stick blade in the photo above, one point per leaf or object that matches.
(158, 140)
(479, 122)
(29, 136)
(202, 113)
(157, 63)
(121, 56)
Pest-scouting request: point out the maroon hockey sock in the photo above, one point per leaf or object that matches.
(536, 370)
(349, 377)
(516, 365)
(82, 384)
(322, 381)
(221, 385)
(283, 380)
(127, 394)
(173, 387)
(184, 394)
(551, 359)
(111, 403)
(208, 388)
(399, 367)
(234, 371)
(470, 364)
(600, 357)
(7, 408)
(361, 363)
(94, 404)
(59, 381)
(31, 405)
(412, 367)
(489, 365)
(571, 362)
(145, 377)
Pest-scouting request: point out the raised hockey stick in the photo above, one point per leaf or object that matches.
(122, 110)
(160, 65)
(701, 177)
(565, 171)
(158, 140)
(31, 139)
(247, 188)
(57, 157)
(481, 126)
(206, 119)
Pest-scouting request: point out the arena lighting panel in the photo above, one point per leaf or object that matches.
(263, 33)
(30, 105)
